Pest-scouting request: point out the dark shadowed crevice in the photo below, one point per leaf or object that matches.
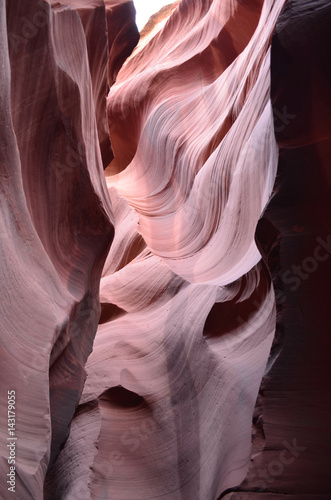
(110, 312)
(226, 317)
(121, 397)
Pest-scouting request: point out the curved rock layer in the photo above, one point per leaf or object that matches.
(192, 134)
(188, 312)
(56, 226)
(185, 251)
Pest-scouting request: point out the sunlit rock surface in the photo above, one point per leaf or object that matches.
(188, 312)
(188, 388)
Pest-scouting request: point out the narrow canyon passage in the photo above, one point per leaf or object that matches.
(165, 250)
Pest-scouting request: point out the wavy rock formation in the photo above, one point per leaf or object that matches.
(176, 250)
(56, 225)
(188, 314)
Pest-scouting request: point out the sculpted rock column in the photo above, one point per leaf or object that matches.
(56, 229)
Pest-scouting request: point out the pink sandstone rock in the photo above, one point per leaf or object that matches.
(149, 327)
(56, 229)
(189, 314)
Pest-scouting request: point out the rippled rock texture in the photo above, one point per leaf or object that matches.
(158, 334)
(56, 220)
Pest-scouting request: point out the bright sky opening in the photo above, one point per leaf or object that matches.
(145, 8)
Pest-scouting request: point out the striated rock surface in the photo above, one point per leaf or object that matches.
(157, 21)
(188, 311)
(205, 376)
(56, 225)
